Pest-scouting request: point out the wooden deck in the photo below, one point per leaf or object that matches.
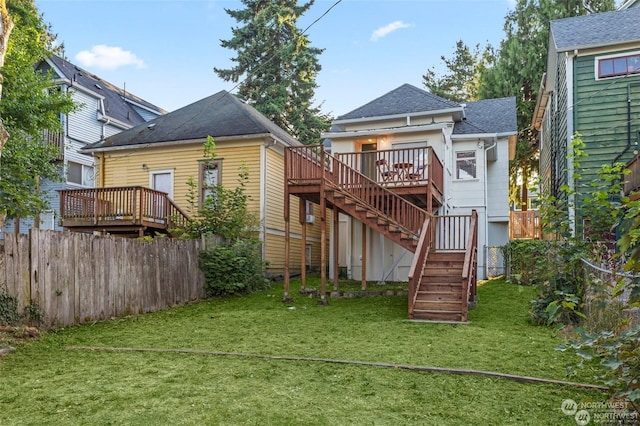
(131, 210)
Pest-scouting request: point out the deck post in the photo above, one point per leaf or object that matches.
(364, 257)
(336, 240)
(287, 229)
(323, 233)
(302, 215)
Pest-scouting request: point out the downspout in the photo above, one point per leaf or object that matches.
(486, 203)
(628, 147)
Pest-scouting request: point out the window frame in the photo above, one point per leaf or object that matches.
(203, 165)
(599, 60)
(457, 160)
(84, 169)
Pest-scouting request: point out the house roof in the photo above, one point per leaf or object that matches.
(219, 115)
(597, 29)
(118, 103)
(406, 99)
(485, 116)
(489, 116)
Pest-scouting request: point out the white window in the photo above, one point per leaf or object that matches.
(209, 177)
(465, 165)
(80, 174)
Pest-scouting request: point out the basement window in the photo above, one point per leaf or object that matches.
(614, 66)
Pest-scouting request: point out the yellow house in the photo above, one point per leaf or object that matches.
(143, 174)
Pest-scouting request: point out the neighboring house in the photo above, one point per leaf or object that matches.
(406, 162)
(104, 111)
(143, 174)
(591, 87)
(629, 4)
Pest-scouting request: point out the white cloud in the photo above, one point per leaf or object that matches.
(388, 29)
(108, 57)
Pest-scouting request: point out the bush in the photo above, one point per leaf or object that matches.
(8, 309)
(233, 269)
(555, 268)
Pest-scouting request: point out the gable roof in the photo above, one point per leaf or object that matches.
(406, 99)
(489, 116)
(219, 115)
(118, 104)
(596, 30)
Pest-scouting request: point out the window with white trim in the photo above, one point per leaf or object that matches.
(210, 176)
(80, 174)
(618, 65)
(465, 165)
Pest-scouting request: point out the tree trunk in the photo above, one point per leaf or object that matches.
(6, 25)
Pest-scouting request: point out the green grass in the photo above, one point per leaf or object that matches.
(44, 382)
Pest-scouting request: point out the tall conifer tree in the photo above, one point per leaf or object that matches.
(276, 66)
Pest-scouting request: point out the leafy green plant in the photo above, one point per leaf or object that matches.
(234, 264)
(8, 309)
(233, 268)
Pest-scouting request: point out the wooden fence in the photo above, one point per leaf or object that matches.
(76, 278)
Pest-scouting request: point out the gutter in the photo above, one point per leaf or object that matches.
(459, 110)
(384, 131)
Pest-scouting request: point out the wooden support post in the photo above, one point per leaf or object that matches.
(323, 248)
(302, 216)
(364, 257)
(336, 239)
(287, 230)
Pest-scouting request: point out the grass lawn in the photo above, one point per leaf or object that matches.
(45, 382)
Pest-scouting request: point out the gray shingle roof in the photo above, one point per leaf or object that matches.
(489, 116)
(598, 29)
(218, 115)
(405, 99)
(115, 98)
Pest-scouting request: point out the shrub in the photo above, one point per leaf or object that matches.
(8, 309)
(234, 268)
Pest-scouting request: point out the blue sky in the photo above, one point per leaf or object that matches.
(165, 50)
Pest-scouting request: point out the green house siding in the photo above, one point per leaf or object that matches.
(601, 118)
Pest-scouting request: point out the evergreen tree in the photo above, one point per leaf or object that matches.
(30, 108)
(460, 82)
(276, 66)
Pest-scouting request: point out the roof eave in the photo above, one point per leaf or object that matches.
(384, 131)
(458, 113)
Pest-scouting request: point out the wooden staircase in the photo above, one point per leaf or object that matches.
(442, 279)
(440, 290)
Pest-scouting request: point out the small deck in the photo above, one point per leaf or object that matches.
(130, 211)
(525, 225)
(416, 174)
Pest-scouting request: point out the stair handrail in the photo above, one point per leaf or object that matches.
(419, 263)
(470, 262)
(332, 173)
(397, 207)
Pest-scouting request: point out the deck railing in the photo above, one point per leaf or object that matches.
(418, 264)
(632, 180)
(131, 205)
(56, 139)
(525, 225)
(305, 166)
(470, 265)
(451, 233)
(398, 167)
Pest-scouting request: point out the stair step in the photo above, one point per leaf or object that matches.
(441, 287)
(441, 279)
(439, 296)
(435, 315)
(442, 270)
(449, 306)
